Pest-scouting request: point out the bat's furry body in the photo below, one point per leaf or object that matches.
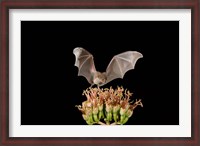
(117, 67)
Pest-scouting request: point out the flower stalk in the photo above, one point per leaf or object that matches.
(107, 106)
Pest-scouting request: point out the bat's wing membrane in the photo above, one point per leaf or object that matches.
(122, 63)
(85, 63)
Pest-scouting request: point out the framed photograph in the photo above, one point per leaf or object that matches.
(46, 93)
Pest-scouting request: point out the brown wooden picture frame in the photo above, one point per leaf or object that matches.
(100, 4)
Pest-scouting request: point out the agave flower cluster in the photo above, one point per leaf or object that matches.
(107, 106)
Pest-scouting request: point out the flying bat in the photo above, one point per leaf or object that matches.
(117, 67)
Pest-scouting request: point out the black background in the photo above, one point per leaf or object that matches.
(50, 87)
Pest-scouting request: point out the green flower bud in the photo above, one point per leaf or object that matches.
(115, 117)
(91, 119)
(122, 117)
(87, 113)
(85, 117)
(95, 118)
(101, 115)
(95, 110)
(89, 122)
(100, 107)
(125, 120)
(122, 111)
(116, 109)
(129, 113)
(109, 116)
(108, 108)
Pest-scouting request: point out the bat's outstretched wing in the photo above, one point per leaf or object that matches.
(121, 63)
(85, 63)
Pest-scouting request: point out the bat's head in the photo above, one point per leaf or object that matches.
(99, 78)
